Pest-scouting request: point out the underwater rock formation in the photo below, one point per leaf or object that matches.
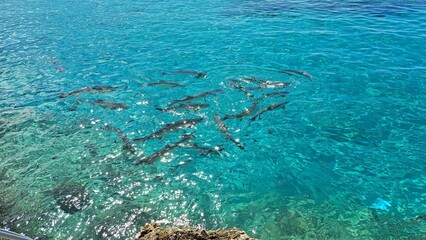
(155, 231)
(71, 198)
(3, 208)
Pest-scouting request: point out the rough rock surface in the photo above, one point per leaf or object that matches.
(154, 231)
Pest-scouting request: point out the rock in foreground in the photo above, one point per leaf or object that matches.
(154, 231)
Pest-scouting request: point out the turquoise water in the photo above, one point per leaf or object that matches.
(345, 159)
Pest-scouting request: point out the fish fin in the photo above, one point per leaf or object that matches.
(220, 148)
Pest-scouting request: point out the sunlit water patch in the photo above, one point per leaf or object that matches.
(341, 158)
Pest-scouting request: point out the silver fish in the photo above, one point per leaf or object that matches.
(205, 151)
(171, 127)
(151, 158)
(271, 85)
(187, 106)
(196, 96)
(303, 73)
(96, 89)
(127, 144)
(268, 108)
(58, 65)
(196, 74)
(264, 83)
(253, 80)
(105, 104)
(244, 113)
(222, 127)
(239, 87)
(275, 94)
(162, 82)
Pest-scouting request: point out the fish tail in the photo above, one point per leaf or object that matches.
(241, 146)
(143, 139)
(201, 75)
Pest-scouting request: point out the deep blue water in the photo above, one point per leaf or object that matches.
(353, 135)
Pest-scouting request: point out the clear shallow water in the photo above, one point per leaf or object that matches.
(353, 134)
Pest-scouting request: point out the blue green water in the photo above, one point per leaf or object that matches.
(314, 170)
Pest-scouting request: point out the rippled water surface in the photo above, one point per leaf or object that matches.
(345, 158)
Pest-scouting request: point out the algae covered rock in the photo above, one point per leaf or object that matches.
(71, 198)
(154, 231)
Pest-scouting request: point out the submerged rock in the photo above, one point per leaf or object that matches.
(154, 231)
(71, 198)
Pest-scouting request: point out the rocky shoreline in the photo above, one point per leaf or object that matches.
(154, 231)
